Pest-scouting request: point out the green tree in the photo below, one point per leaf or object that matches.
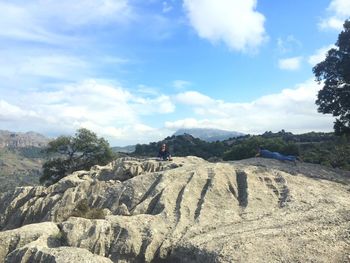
(80, 152)
(334, 72)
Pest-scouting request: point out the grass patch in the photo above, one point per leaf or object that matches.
(85, 211)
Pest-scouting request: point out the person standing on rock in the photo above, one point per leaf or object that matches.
(164, 154)
(275, 155)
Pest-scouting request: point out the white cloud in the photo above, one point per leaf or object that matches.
(75, 13)
(293, 63)
(17, 22)
(10, 112)
(291, 109)
(319, 55)
(45, 20)
(181, 84)
(38, 65)
(340, 11)
(236, 23)
(55, 66)
(160, 104)
(332, 23)
(147, 90)
(340, 7)
(193, 98)
(189, 123)
(108, 109)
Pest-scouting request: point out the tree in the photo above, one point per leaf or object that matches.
(80, 152)
(334, 71)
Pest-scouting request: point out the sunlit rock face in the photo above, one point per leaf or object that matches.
(187, 210)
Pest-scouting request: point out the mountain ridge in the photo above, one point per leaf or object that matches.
(9, 139)
(208, 134)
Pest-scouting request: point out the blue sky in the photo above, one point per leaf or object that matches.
(136, 71)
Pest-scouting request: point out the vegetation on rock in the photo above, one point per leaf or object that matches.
(319, 148)
(85, 211)
(80, 152)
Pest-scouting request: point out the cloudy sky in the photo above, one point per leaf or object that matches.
(137, 70)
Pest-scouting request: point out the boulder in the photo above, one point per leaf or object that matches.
(17, 238)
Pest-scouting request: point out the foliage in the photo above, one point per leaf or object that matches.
(248, 148)
(334, 72)
(32, 152)
(80, 152)
(183, 145)
(319, 148)
(314, 147)
(84, 210)
(335, 154)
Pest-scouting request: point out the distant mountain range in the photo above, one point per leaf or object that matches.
(183, 145)
(209, 135)
(10, 139)
(124, 149)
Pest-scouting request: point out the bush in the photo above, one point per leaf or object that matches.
(249, 147)
(84, 210)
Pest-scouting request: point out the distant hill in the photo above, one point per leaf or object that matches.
(124, 149)
(313, 147)
(20, 167)
(184, 145)
(10, 139)
(21, 158)
(209, 135)
(181, 140)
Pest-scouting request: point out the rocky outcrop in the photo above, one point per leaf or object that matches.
(14, 239)
(20, 140)
(188, 210)
(41, 243)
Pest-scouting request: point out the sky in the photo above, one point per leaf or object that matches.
(135, 71)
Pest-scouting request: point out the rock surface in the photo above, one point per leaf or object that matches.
(188, 210)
